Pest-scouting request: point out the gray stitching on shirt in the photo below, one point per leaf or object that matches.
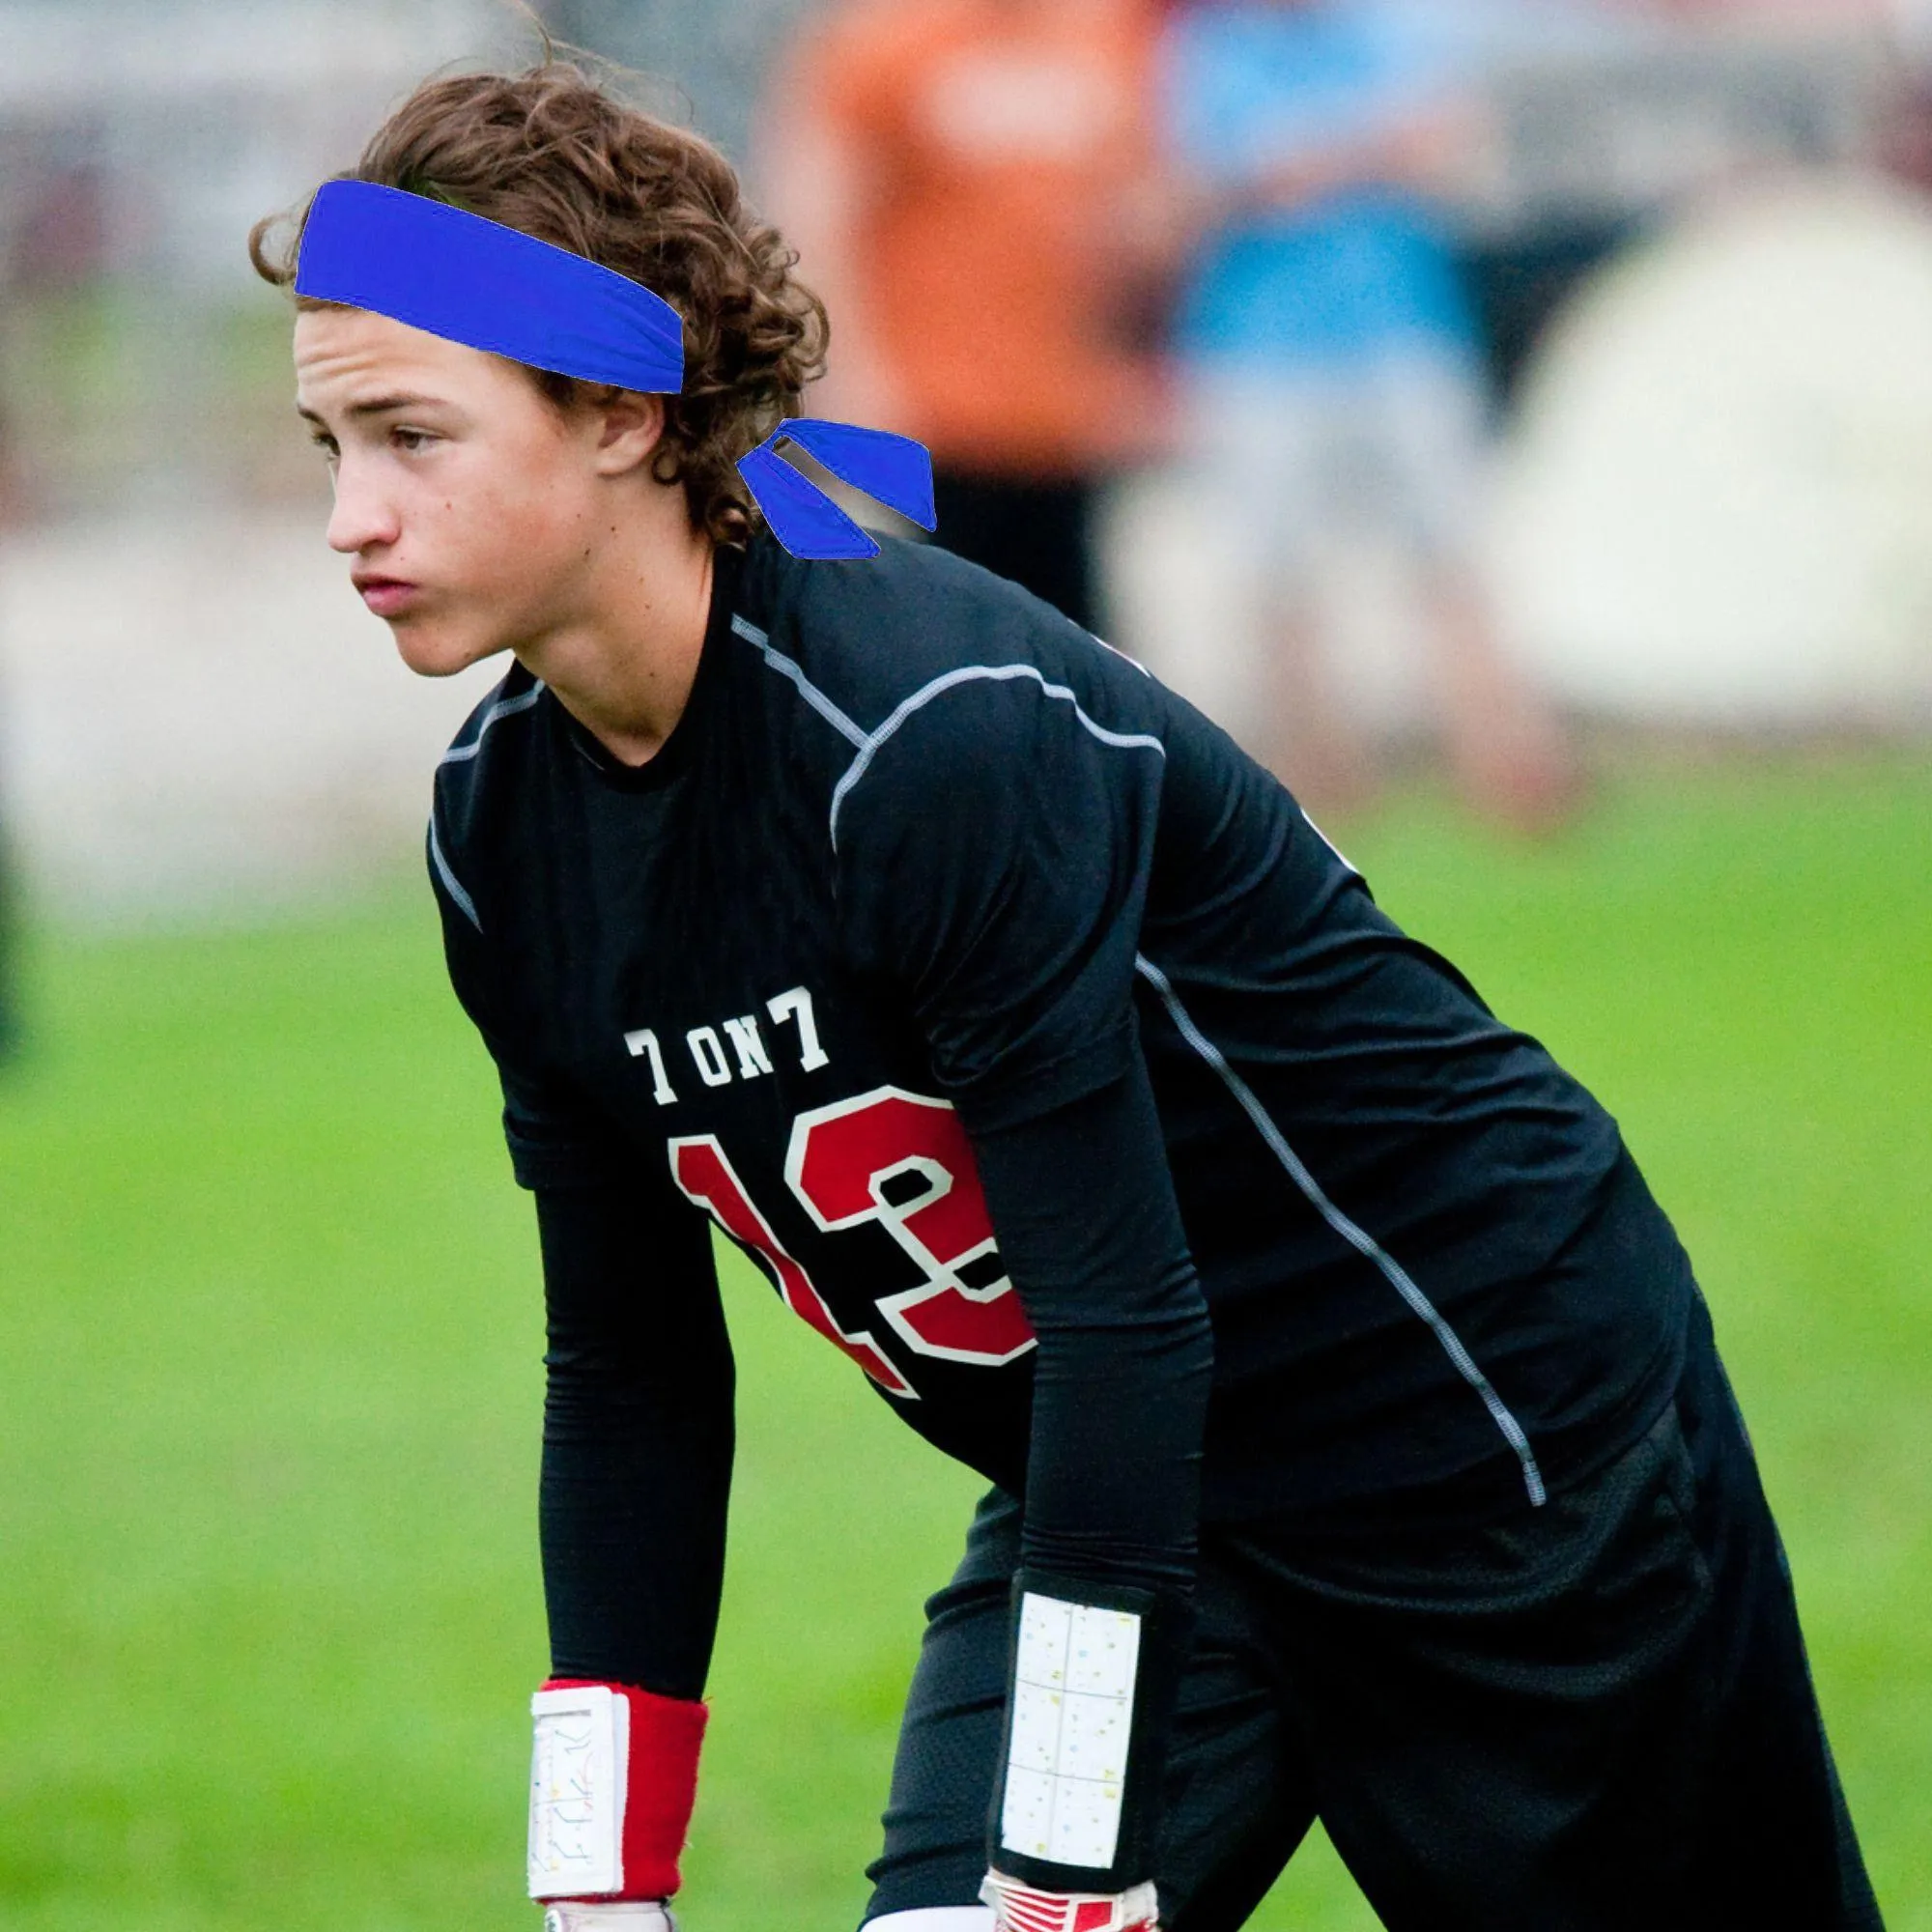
(1362, 1242)
(809, 692)
(451, 884)
(869, 743)
(509, 707)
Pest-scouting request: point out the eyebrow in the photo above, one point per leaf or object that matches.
(375, 406)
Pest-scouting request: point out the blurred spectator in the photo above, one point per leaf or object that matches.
(16, 498)
(57, 244)
(61, 242)
(13, 511)
(957, 177)
(1906, 136)
(1331, 371)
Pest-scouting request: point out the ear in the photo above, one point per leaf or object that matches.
(631, 424)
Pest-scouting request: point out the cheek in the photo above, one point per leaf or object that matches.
(520, 530)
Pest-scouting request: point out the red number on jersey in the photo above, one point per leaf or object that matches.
(699, 1167)
(903, 1160)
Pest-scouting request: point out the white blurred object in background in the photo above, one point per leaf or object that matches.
(1717, 506)
(197, 711)
(202, 715)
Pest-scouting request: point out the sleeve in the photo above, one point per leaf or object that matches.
(996, 877)
(637, 1442)
(638, 1409)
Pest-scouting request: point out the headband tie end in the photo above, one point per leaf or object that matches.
(892, 469)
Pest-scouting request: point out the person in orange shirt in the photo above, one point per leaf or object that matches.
(960, 179)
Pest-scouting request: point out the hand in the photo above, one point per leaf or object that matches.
(1430, 153)
(1018, 1907)
(631, 1914)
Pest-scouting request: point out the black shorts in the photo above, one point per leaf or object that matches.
(1596, 1715)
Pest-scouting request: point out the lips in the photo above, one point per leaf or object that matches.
(384, 595)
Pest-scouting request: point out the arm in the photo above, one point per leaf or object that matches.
(1084, 1207)
(636, 1445)
(1428, 150)
(636, 1471)
(994, 862)
(637, 1461)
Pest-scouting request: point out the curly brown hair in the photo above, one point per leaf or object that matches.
(553, 152)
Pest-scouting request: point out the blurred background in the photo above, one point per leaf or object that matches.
(1511, 418)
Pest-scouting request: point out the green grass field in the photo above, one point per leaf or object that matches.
(271, 1324)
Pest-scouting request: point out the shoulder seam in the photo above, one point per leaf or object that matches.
(868, 743)
(789, 668)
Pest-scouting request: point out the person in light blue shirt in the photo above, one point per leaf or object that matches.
(1359, 263)
(1331, 372)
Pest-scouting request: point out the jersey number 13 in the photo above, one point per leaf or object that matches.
(902, 1160)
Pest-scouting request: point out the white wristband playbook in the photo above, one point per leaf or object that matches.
(578, 1766)
(614, 1776)
(1069, 1730)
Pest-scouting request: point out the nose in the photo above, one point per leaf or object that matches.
(361, 519)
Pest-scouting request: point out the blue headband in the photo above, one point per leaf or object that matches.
(472, 281)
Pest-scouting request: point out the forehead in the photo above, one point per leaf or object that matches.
(341, 353)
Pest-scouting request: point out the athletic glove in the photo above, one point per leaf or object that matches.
(614, 1776)
(628, 1916)
(1018, 1907)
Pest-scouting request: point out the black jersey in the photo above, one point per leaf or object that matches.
(924, 865)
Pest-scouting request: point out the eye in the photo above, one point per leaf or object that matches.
(415, 436)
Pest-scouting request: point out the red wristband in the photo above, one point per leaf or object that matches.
(659, 1776)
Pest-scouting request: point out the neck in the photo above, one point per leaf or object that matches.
(625, 671)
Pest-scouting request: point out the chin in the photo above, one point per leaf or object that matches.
(430, 654)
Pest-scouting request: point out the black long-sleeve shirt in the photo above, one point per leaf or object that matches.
(1052, 1064)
